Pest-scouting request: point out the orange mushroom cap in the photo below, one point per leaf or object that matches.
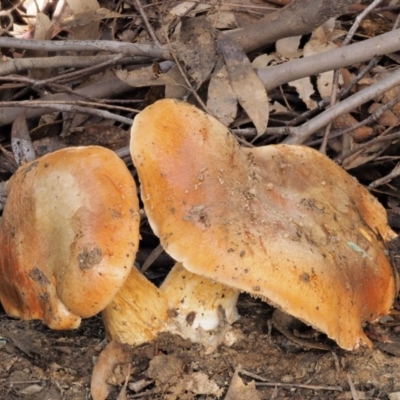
(69, 235)
(282, 222)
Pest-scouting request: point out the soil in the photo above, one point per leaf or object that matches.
(39, 364)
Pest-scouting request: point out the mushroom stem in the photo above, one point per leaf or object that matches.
(197, 303)
(186, 304)
(137, 313)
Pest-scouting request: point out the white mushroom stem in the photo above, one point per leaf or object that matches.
(188, 305)
(197, 303)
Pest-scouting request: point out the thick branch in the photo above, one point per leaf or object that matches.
(298, 18)
(342, 57)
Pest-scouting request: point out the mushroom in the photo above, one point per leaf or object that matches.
(69, 235)
(283, 223)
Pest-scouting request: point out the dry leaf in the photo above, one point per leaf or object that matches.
(245, 82)
(114, 354)
(182, 9)
(146, 76)
(388, 118)
(264, 60)
(289, 47)
(175, 384)
(221, 100)
(359, 134)
(197, 48)
(223, 20)
(319, 43)
(87, 29)
(305, 89)
(88, 17)
(239, 391)
(178, 89)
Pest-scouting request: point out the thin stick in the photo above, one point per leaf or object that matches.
(336, 74)
(67, 108)
(353, 390)
(138, 5)
(12, 66)
(299, 385)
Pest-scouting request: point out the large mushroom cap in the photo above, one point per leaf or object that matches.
(282, 222)
(69, 235)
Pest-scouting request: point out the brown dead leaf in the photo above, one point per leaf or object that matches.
(146, 76)
(175, 384)
(197, 48)
(388, 118)
(113, 355)
(88, 17)
(87, 29)
(319, 43)
(289, 47)
(360, 134)
(245, 82)
(221, 99)
(223, 19)
(239, 391)
(177, 90)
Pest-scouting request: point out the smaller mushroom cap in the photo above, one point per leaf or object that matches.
(69, 235)
(283, 223)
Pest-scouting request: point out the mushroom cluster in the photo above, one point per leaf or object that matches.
(283, 223)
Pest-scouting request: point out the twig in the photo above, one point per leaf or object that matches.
(138, 5)
(336, 74)
(342, 94)
(72, 75)
(254, 376)
(127, 49)
(151, 258)
(358, 20)
(362, 147)
(299, 385)
(385, 179)
(67, 108)
(372, 118)
(300, 134)
(353, 390)
(12, 66)
(142, 395)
